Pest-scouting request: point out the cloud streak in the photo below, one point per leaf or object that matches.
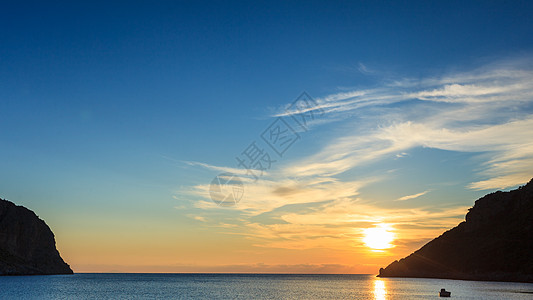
(409, 197)
(486, 110)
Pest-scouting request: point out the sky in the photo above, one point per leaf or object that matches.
(118, 116)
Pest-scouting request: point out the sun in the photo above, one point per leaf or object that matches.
(379, 237)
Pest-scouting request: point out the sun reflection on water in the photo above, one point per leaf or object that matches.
(380, 291)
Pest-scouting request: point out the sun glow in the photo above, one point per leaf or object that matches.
(379, 237)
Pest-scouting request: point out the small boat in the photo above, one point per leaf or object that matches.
(444, 293)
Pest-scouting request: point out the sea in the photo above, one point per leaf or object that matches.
(250, 286)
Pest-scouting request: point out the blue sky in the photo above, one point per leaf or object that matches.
(123, 113)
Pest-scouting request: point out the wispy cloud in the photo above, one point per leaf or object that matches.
(487, 111)
(266, 195)
(238, 171)
(403, 154)
(413, 196)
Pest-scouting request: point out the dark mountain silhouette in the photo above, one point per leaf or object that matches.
(27, 245)
(495, 243)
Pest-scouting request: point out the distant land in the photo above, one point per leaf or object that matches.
(27, 245)
(495, 243)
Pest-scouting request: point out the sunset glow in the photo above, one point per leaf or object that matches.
(378, 238)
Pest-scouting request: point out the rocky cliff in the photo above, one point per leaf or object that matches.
(494, 243)
(27, 245)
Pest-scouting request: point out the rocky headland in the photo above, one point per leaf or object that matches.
(495, 243)
(27, 245)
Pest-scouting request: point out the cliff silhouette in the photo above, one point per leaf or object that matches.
(27, 245)
(495, 243)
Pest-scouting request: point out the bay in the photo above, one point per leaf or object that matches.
(250, 286)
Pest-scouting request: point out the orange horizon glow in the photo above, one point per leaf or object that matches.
(196, 251)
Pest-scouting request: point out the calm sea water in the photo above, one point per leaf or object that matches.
(249, 286)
